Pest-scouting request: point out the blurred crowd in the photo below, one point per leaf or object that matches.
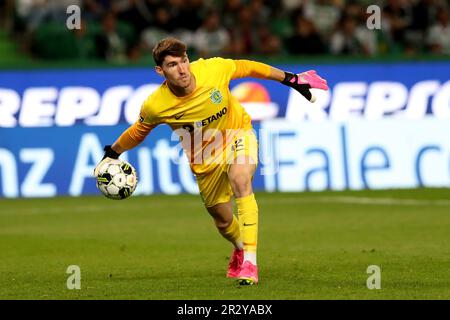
(120, 30)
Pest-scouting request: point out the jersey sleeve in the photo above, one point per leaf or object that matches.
(134, 135)
(229, 69)
(149, 110)
(248, 68)
(138, 131)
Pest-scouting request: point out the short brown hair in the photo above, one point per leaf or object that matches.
(168, 47)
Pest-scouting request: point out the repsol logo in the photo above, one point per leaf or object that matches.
(212, 118)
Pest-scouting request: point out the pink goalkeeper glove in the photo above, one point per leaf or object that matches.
(304, 81)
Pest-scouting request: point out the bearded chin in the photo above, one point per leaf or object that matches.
(187, 84)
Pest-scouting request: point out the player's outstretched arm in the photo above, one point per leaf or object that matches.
(301, 82)
(129, 139)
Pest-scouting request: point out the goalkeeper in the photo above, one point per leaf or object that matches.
(217, 136)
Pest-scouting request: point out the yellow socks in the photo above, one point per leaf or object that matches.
(248, 221)
(244, 233)
(232, 233)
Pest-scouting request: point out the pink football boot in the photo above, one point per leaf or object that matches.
(234, 267)
(248, 274)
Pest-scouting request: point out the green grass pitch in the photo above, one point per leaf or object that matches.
(311, 246)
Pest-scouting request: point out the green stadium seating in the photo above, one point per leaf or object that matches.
(54, 41)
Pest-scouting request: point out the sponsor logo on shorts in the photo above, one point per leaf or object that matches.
(238, 145)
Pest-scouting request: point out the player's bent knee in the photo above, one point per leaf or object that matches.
(222, 214)
(223, 223)
(241, 184)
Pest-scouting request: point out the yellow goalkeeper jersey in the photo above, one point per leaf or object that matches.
(208, 114)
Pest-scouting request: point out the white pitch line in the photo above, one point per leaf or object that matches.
(152, 205)
(359, 200)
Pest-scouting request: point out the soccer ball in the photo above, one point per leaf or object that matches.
(117, 179)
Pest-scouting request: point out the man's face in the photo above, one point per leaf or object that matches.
(176, 70)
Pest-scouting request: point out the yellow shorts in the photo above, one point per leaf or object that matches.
(214, 186)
